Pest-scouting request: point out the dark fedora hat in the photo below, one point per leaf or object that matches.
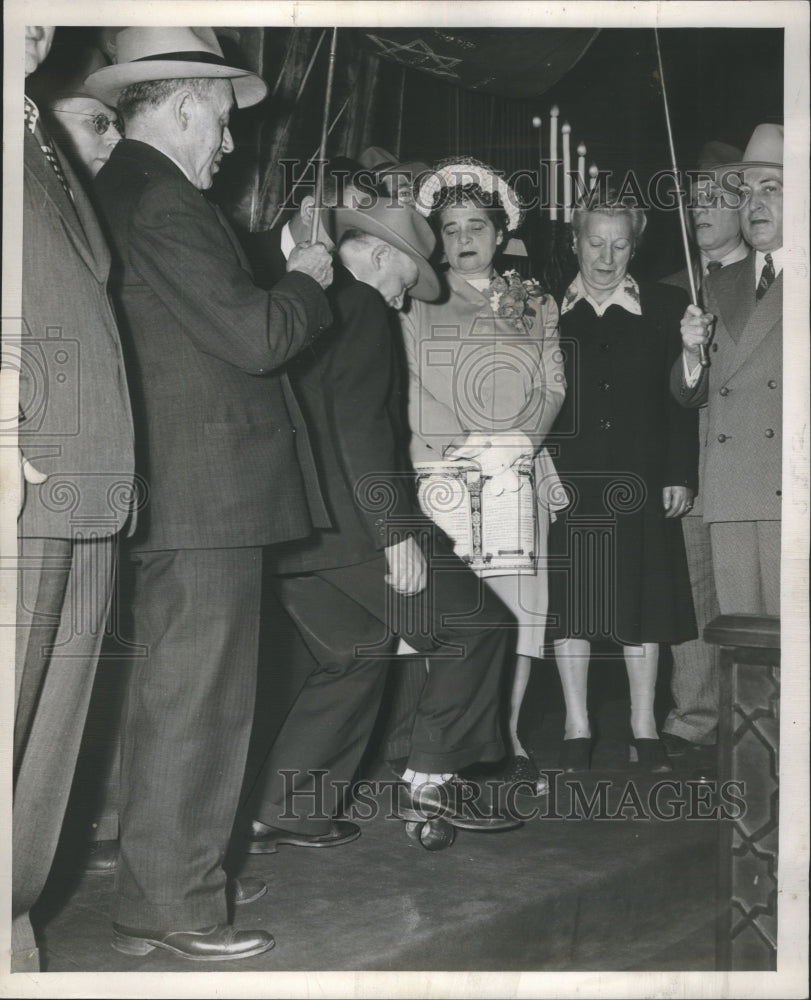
(400, 226)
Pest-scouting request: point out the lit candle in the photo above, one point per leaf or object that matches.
(553, 162)
(565, 131)
(581, 169)
(536, 123)
(592, 176)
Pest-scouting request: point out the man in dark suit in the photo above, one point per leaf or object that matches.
(352, 588)
(76, 443)
(224, 455)
(715, 230)
(742, 390)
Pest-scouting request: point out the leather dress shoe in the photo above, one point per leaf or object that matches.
(267, 839)
(457, 801)
(219, 943)
(246, 890)
(102, 858)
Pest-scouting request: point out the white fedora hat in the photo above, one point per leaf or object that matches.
(144, 54)
(765, 148)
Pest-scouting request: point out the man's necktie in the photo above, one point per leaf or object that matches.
(45, 144)
(766, 278)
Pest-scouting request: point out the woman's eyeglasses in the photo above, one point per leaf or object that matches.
(100, 122)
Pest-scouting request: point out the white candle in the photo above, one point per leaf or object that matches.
(592, 176)
(565, 131)
(581, 169)
(553, 162)
(536, 123)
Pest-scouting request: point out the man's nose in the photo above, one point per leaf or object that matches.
(227, 141)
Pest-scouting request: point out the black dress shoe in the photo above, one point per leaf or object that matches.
(246, 890)
(650, 755)
(102, 858)
(219, 943)
(267, 839)
(575, 755)
(521, 770)
(458, 801)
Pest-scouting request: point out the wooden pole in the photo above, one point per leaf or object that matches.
(319, 180)
(705, 361)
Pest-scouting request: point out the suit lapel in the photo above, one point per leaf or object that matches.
(232, 236)
(733, 288)
(763, 319)
(90, 247)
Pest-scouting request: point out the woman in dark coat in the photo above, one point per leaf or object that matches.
(627, 455)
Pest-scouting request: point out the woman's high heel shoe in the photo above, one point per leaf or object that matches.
(650, 755)
(575, 755)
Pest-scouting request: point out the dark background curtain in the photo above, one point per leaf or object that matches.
(427, 93)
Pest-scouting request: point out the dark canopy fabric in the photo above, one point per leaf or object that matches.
(510, 62)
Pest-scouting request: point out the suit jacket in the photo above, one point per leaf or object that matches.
(76, 423)
(681, 280)
(348, 387)
(264, 251)
(219, 427)
(743, 392)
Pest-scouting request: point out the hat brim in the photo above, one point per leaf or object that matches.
(427, 288)
(744, 164)
(106, 84)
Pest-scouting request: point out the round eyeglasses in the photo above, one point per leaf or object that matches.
(99, 121)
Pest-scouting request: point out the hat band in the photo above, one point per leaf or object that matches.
(195, 57)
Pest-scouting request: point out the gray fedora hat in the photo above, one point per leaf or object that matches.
(160, 53)
(402, 227)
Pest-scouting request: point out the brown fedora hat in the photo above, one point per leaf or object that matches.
(159, 53)
(400, 226)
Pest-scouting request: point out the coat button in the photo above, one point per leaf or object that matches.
(769, 432)
(724, 391)
(605, 425)
(722, 438)
(604, 347)
(715, 347)
(778, 493)
(772, 384)
(605, 386)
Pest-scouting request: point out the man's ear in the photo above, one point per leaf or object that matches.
(380, 255)
(183, 108)
(307, 208)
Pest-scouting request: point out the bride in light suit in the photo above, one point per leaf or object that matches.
(486, 382)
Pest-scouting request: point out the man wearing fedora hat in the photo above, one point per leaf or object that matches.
(715, 232)
(224, 455)
(351, 589)
(742, 330)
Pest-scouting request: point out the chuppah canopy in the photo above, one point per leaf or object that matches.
(511, 62)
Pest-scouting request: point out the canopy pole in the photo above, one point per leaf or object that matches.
(704, 359)
(319, 180)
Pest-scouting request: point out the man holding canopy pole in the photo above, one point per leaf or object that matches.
(742, 388)
(224, 454)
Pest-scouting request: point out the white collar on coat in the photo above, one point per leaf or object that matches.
(286, 242)
(625, 295)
